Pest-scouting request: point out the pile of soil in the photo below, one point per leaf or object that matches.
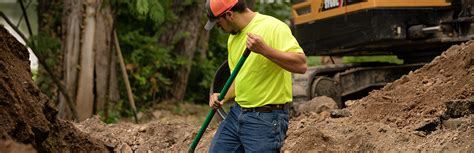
(26, 115)
(169, 136)
(10, 146)
(430, 109)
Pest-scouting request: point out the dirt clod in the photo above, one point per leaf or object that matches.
(317, 105)
(459, 108)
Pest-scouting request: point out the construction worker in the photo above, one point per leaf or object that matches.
(262, 89)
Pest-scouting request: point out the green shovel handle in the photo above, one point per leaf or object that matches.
(224, 90)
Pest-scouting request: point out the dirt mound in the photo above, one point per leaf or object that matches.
(175, 136)
(423, 94)
(9, 146)
(430, 109)
(25, 113)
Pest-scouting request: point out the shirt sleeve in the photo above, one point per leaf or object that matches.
(284, 39)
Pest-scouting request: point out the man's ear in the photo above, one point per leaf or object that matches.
(229, 15)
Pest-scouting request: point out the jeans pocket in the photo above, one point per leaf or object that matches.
(267, 118)
(282, 129)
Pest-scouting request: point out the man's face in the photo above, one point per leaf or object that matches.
(225, 22)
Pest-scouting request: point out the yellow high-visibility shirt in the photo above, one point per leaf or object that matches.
(260, 81)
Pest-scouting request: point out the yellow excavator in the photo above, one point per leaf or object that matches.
(414, 30)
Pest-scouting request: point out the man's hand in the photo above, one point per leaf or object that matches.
(256, 44)
(214, 102)
(291, 61)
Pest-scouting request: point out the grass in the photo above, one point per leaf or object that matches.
(361, 59)
(34, 73)
(316, 60)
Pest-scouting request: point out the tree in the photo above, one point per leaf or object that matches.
(184, 36)
(97, 68)
(88, 72)
(160, 48)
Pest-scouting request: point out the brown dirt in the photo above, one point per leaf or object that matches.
(422, 95)
(170, 136)
(171, 127)
(26, 114)
(430, 109)
(10, 146)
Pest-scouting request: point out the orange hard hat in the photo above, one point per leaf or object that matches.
(216, 8)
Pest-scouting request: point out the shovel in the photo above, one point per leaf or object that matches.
(221, 96)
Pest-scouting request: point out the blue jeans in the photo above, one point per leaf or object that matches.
(251, 131)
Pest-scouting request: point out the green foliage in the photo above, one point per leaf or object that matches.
(201, 77)
(360, 59)
(142, 6)
(150, 64)
(46, 46)
(280, 11)
(152, 8)
(313, 60)
(155, 10)
(112, 116)
(202, 72)
(218, 44)
(34, 74)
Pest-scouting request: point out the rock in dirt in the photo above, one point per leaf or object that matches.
(455, 123)
(123, 148)
(459, 108)
(340, 113)
(317, 105)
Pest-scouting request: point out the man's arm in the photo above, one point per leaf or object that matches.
(290, 61)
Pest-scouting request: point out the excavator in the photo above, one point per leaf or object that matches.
(415, 31)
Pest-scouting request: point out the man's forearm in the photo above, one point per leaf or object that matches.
(230, 93)
(290, 61)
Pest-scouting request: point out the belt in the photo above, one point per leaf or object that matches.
(267, 108)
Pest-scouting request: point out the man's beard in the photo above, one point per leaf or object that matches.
(234, 32)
